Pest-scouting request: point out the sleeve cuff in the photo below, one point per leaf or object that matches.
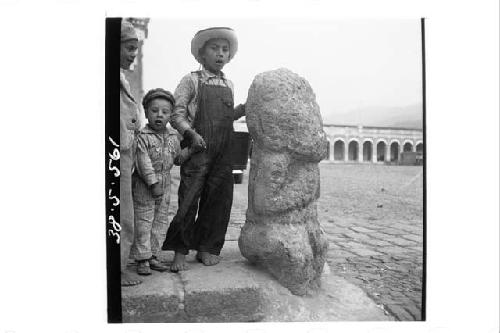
(151, 179)
(183, 127)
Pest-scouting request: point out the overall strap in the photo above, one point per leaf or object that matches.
(214, 118)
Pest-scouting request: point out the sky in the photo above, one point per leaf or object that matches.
(350, 64)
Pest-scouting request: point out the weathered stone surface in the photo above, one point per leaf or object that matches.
(282, 232)
(282, 115)
(221, 294)
(157, 299)
(235, 291)
(288, 184)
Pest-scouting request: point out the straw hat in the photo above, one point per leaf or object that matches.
(205, 35)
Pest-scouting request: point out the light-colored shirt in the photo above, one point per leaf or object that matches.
(129, 113)
(186, 95)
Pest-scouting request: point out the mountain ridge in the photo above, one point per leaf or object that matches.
(409, 116)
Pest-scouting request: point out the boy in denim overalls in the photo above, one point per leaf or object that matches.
(204, 113)
(158, 148)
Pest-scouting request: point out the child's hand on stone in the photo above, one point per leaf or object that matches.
(156, 190)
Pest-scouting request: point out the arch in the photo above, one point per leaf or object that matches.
(338, 150)
(419, 147)
(407, 140)
(394, 157)
(381, 140)
(367, 150)
(328, 149)
(395, 140)
(381, 147)
(353, 150)
(408, 146)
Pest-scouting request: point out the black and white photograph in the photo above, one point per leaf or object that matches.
(271, 170)
(250, 166)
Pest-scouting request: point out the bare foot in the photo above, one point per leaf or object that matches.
(128, 280)
(207, 259)
(179, 263)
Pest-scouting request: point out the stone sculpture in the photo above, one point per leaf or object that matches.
(282, 232)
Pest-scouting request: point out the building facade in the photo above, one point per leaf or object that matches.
(367, 144)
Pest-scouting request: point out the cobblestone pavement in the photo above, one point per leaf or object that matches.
(373, 218)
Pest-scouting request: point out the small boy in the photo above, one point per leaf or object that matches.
(204, 113)
(157, 149)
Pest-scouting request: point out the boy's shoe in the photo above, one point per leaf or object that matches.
(143, 267)
(157, 265)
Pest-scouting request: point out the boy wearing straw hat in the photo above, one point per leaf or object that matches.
(204, 113)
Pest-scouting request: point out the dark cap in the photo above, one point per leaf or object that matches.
(157, 93)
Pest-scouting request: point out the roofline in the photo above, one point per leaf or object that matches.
(356, 126)
(380, 127)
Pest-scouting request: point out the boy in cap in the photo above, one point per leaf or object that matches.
(204, 113)
(158, 148)
(129, 113)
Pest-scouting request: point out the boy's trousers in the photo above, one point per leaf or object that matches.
(151, 218)
(208, 178)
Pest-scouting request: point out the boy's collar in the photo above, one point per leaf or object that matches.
(148, 130)
(210, 74)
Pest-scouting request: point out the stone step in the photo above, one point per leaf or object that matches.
(235, 291)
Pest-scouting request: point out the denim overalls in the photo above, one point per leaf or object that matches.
(206, 185)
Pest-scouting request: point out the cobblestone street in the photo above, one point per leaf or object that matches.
(373, 218)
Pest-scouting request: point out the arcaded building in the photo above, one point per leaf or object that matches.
(368, 144)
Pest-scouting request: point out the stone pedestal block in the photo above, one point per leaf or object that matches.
(282, 232)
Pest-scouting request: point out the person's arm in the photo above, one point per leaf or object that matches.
(126, 136)
(143, 162)
(184, 94)
(145, 168)
(183, 156)
(239, 111)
